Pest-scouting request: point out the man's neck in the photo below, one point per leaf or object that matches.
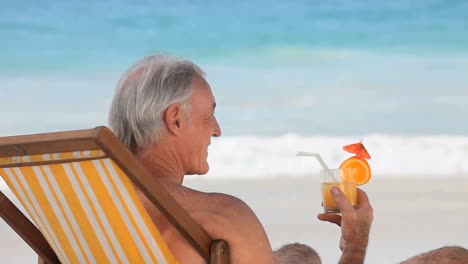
(163, 163)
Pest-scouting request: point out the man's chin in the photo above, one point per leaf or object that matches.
(201, 171)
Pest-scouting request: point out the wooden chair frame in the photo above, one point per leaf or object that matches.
(213, 251)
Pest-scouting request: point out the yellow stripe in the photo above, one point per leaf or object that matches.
(16, 192)
(10, 184)
(62, 209)
(146, 218)
(32, 211)
(129, 215)
(123, 233)
(71, 199)
(99, 194)
(111, 212)
(46, 208)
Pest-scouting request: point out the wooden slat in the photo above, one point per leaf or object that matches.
(155, 192)
(47, 143)
(26, 230)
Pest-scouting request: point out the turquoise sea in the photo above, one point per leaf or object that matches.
(394, 73)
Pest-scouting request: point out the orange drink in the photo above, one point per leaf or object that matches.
(341, 178)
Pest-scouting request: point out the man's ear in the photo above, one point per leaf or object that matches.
(173, 116)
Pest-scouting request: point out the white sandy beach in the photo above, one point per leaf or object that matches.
(412, 215)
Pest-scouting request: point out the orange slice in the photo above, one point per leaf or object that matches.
(363, 170)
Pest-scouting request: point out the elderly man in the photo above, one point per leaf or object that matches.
(164, 112)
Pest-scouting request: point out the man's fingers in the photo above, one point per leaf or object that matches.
(340, 199)
(363, 200)
(332, 218)
(364, 205)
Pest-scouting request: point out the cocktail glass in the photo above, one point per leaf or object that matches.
(341, 178)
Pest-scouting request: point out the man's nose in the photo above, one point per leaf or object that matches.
(217, 129)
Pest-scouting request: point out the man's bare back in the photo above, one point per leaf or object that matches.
(223, 217)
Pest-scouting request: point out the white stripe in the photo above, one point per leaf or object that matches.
(25, 201)
(89, 213)
(122, 212)
(71, 218)
(102, 217)
(36, 212)
(58, 213)
(134, 212)
(46, 157)
(111, 191)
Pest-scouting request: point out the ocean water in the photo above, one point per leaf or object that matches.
(288, 76)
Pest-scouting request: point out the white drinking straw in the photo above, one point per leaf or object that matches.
(317, 156)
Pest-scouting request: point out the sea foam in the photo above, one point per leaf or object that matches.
(251, 157)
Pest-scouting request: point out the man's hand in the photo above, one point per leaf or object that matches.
(355, 225)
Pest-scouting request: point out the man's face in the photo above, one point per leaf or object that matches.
(199, 130)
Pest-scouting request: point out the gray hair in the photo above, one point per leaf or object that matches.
(144, 92)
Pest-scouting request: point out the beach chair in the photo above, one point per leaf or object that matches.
(76, 186)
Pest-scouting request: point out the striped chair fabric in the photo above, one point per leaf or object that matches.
(86, 207)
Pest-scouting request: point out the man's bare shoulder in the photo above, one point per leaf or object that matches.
(216, 203)
(227, 217)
